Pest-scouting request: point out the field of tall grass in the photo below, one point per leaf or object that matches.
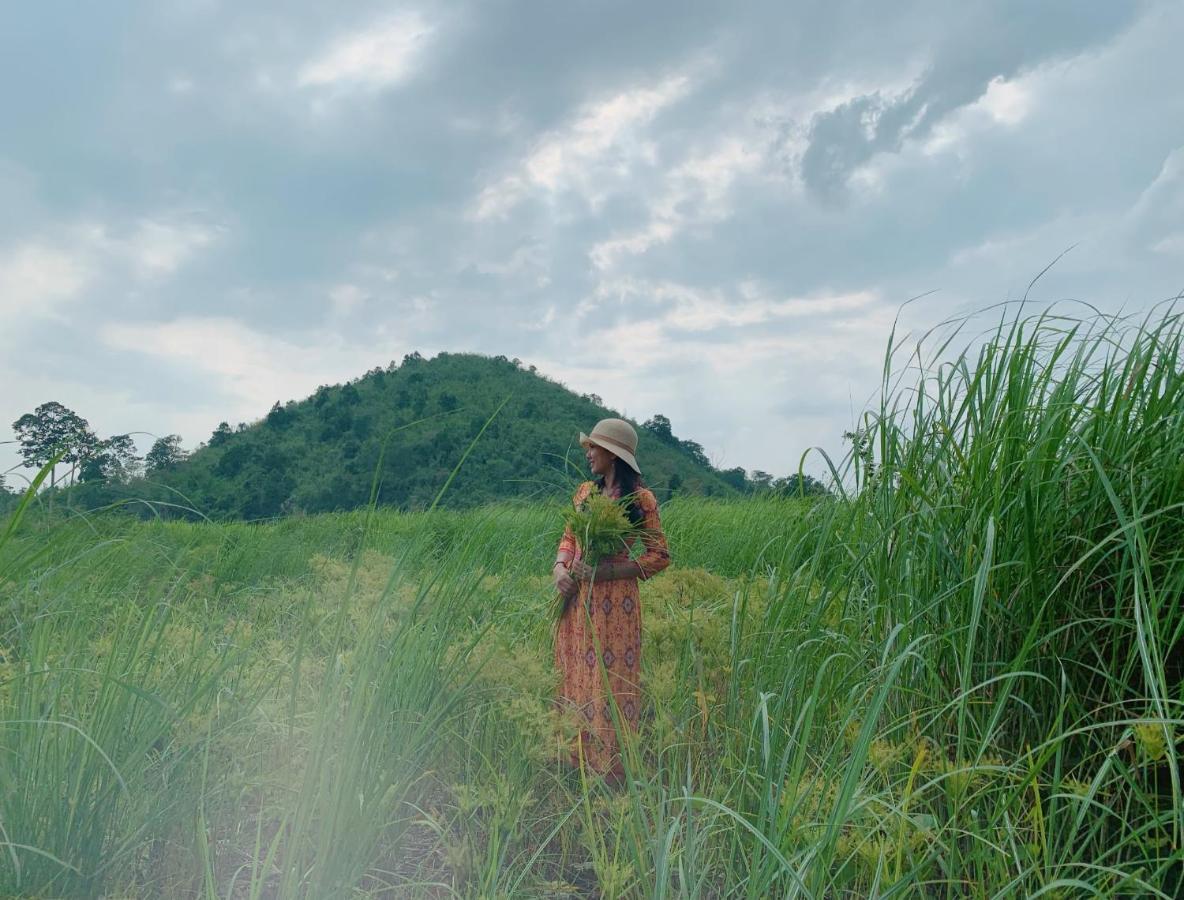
(957, 677)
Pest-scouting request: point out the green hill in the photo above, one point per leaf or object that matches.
(409, 425)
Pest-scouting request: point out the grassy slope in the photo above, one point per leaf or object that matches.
(962, 679)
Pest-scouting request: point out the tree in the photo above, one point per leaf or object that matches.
(53, 429)
(114, 459)
(7, 498)
(221, 433)
(761, 481)
(279, 417)
(799, 485)
(660, 426)
(736, 477)
(696, 452)
(234, 459)
(165, 454)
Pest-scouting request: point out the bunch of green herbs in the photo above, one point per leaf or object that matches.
(602, 528)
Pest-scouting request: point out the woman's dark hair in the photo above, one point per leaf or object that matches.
(630, 482)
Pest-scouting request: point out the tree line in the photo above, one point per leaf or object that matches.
(754, 482)
(397, 430)
(56, 436)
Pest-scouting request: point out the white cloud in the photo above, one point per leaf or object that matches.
(598, 147)
(37, 275)
(36, 279)
(347, 298)
(1004, 104)
(379, 56)
(1153, 221)
(254, 367)
(690, 309)
(695, 192)
(159, 247)
(550, 316)
(788, 375)
(698, 312)
(1007, 102)
(1172, 245)
(41, 277)
(1108, 240)
(526, 257)
(1162, 201)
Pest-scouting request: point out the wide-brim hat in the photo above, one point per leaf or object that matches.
(617, 437)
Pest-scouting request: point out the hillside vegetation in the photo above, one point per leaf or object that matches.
(395, 435)
(957, 676)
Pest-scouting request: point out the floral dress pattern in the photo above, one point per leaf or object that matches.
(599, 635)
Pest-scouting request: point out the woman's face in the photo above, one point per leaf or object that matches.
(600, 461)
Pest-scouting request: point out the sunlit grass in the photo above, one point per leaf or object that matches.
(958, 677)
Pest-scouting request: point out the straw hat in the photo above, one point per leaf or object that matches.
(617, 437)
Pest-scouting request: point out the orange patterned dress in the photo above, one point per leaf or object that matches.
(601, 634)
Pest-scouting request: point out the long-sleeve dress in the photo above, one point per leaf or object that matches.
(603, 625)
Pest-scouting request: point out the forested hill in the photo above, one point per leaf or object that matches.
(322, 453)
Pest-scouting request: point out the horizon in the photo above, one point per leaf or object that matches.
(708, 214)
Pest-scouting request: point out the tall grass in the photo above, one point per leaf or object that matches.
(960, 676)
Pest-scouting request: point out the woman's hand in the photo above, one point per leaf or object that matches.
(564, 583)
(581, 571)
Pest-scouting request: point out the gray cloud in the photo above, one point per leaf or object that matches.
(984, 42)
(173, 173)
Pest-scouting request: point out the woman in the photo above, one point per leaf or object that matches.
(599, 633)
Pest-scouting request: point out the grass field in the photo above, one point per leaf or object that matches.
(958, 677)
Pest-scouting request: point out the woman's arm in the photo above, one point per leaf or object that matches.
(657, 555)
(565, 558)
(567, 554)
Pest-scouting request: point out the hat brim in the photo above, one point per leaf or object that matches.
(621, 452)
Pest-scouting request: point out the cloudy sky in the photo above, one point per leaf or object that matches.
(710, 211)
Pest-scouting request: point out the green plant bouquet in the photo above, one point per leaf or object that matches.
(602, 528)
